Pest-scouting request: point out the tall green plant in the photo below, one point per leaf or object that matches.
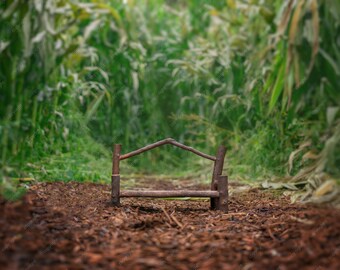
(258, 76)
(43, 84)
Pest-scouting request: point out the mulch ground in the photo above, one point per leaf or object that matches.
(72, 226)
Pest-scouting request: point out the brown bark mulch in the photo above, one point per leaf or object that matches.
(72, 226)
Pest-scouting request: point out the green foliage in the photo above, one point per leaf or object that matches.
(258, 76)
(85, 159)
(43, 84)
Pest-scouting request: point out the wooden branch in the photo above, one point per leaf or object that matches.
(169, 193)
(166, 141)
(190, 149)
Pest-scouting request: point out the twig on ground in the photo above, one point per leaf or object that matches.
(166, 214)
(176, 220)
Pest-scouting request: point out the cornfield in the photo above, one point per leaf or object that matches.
(259, 76)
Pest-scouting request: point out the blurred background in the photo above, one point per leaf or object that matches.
(259, 76)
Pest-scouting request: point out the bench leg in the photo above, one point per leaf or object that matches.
(115, 199)
(222, 203)
(115, 178)
(218, 168)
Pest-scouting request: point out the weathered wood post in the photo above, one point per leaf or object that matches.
(223, 193)
(115, 178)
(217, 172)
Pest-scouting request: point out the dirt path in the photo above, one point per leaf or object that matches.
(72, 226)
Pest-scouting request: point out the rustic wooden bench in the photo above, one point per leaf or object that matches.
(218, 192)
